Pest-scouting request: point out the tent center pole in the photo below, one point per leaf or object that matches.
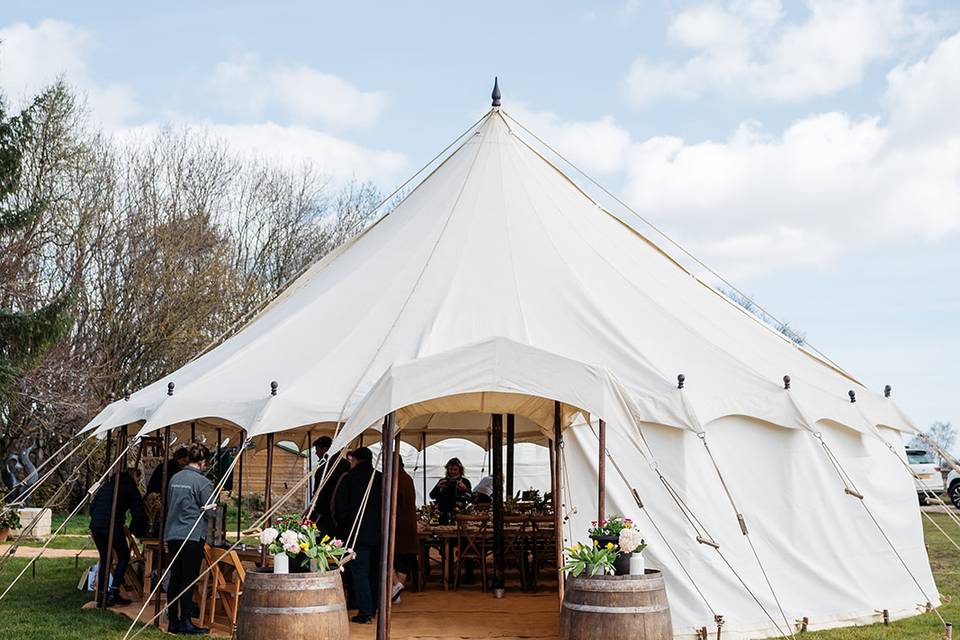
(103, 575)
(497, 460)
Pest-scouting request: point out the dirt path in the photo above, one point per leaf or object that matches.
(29, 552)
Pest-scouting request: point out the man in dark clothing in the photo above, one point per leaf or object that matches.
(128, 499)
(322, 513)
(364, 573)
(174, 465)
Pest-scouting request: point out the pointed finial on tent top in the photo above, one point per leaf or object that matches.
(887, 390)
(680, 380)
(273, 388)
(786, 382)
(853, 395)
(126, 395)
(110, 396)
(170, 387)
(495, 96)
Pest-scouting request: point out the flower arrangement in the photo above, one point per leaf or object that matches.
(610, 527)
(631, 541)
(9, 517)
(295, 537)
(428, 514)
(594, 559)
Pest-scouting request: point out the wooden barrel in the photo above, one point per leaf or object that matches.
(292, 605)
(605, 607)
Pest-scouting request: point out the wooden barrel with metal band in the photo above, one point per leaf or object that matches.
(292, 605)
(605, 607)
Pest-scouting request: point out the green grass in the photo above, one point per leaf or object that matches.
(48, 606)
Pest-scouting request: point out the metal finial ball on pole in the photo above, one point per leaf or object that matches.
(887, 390)
(170, 387)
(273, 388)
(786, 382)
(853, 395)
(680, 380)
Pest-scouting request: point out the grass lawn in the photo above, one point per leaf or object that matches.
(49, 605)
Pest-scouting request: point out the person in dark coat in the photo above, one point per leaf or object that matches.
(322, 514)
(405, 537)
(364, 569)
(128, 500)
(174, 465)
(451, 492)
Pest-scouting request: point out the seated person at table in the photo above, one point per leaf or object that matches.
(483, 493)
(128, 499)
(174, 465)
(451, 492)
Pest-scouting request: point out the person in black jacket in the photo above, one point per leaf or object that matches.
(364, 573)
(452, 492)
(128, 499)
(174, 465)
(322, 514)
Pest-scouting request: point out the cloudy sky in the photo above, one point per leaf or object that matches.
(809, 151)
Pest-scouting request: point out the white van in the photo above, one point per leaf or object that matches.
(929, 480)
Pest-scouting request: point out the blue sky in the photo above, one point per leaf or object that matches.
(808, 150)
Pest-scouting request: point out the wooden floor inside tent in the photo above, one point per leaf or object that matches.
(446, 615)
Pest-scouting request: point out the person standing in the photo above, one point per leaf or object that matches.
(128, 500)
(364, 569)
(322, 513)
(174, 465)
(451, 492)
(405, 536)
(186, 530)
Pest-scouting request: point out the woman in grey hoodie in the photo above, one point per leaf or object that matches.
(188, 492)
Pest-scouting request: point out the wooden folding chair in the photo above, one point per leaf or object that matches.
(515, 545)
(472, 532)
(227, 574)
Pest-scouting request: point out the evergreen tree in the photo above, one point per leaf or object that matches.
(27, 327)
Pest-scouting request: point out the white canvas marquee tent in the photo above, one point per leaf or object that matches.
(499, 286)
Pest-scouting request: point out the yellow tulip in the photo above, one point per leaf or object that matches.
(325, 540)
(609, 546)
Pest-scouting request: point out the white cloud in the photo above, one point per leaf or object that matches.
(828, 185)
(749, 47)
(301, 92)
(293, 146)
(598, 146)
(33, 57)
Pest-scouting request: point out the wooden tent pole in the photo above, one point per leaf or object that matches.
(104, 577)
(426, 495)
(193, 432)
(497, 461)
(267, 494)
(602, 473)
(161, 551)
(386, 493)
(309, 469)
(511, 442)
(558, 495)
(240, 482)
